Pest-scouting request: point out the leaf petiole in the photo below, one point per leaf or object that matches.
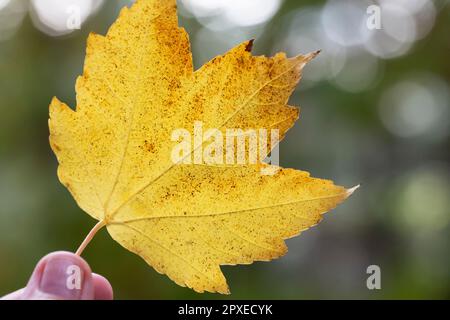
(89, 237)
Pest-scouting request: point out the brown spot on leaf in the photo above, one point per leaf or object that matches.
(249, 46)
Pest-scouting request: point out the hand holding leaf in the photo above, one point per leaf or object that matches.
(114, 150)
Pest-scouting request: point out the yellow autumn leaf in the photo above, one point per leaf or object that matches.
(186, 218)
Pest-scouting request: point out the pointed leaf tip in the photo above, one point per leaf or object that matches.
(249, 46)
(351, 190)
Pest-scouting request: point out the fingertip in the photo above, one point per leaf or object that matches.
(102, 288)
(61, 275)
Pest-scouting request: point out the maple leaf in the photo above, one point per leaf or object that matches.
(115, 150)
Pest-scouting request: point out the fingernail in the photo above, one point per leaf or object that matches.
(62, 278)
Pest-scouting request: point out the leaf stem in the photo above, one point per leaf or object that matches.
(89, 237)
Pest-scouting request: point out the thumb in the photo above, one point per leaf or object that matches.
(60, 276)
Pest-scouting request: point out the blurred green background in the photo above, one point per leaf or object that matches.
(375, 112)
